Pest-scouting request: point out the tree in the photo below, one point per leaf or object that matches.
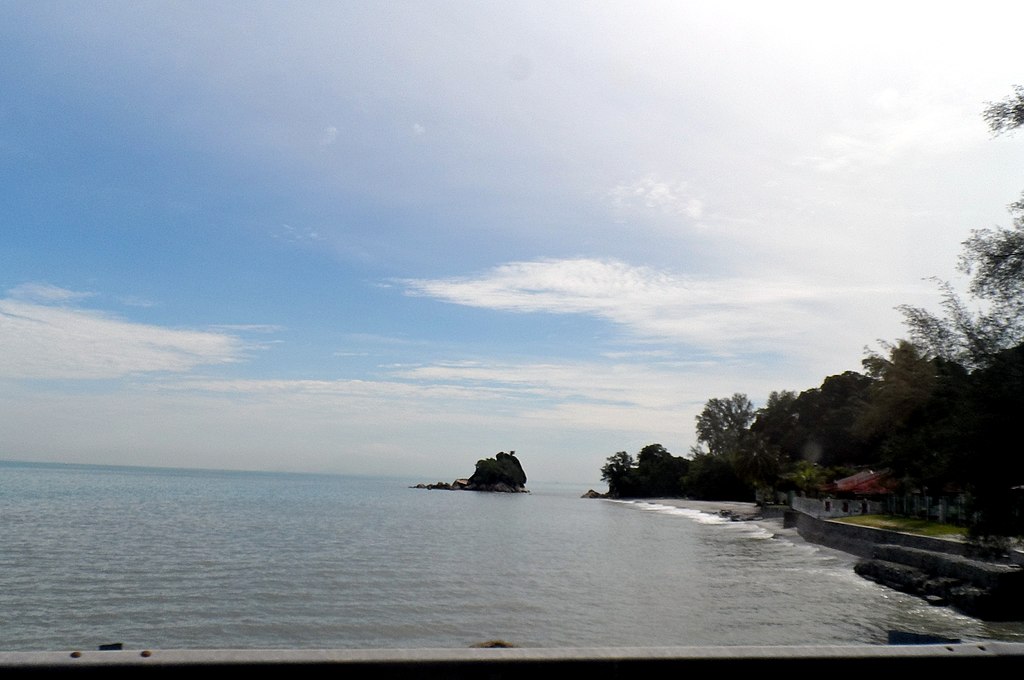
(827, 415)
(723, 425)
(619, 472)
(1007, 114)
(654, 472)
(994, 471)
(903, 383)
(994, 259)
(916, 415)
(713, 478)
(778, 424)
(805, 477)
(660, 473)
(758, 463)
(962, 335)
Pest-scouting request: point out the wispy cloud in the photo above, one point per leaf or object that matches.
(899, 125)
(249, 327)
(652, 193)
(46, 293)
(58, 342)
(133, 301)
(287, 232)
(712, 314)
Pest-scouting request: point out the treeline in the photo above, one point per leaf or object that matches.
(939, 427)
(942, 409)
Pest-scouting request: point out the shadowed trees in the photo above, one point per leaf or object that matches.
(654, 473)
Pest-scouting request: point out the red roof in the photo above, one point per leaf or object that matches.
(864, 483)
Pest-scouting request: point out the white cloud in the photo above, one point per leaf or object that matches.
(449, 413)
(38, 341)
(898, 125)
(651, 193)
(46, 293)
(716, 315)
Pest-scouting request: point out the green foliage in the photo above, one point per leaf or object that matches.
(713, 478)
(829, 414)
(660, 472)
(817, 426)
(723, 423)
(1008, 114)
(619, 472)
(654, 473)
(995, 474)
(805, 477)
(777, 423)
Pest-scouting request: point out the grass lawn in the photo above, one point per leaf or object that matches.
(909, 525)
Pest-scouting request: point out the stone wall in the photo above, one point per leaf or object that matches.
(860, 541)
(826, 508)
(985, 590)
(943, 571)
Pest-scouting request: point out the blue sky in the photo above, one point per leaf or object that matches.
(393, 238)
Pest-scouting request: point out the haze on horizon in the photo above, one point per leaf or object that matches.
(395, 238)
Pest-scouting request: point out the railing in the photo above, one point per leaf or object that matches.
(689, 662)
(945, 509)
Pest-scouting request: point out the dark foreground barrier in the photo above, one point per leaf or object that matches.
(689, 662)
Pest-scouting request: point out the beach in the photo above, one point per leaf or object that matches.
(734, 509)
(737, 511)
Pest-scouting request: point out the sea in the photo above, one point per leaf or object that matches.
(195, 559)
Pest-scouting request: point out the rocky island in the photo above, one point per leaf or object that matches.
(503, 473)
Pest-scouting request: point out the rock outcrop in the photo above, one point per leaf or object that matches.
(503, 474)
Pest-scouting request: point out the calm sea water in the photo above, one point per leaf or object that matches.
(171, 559)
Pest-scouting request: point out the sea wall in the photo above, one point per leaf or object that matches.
(860, 541)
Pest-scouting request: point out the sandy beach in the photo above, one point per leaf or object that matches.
(735, 510)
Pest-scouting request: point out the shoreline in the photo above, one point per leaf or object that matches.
(738, 510)
(743, 511)
(977, 588)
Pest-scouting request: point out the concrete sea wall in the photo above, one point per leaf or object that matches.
(860, 541)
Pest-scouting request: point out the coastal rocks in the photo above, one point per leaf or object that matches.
(734, 516)
(501, 474)
(446, 486)
(985, 590)
(594, 494)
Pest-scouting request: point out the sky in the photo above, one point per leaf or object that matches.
(395, 238)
